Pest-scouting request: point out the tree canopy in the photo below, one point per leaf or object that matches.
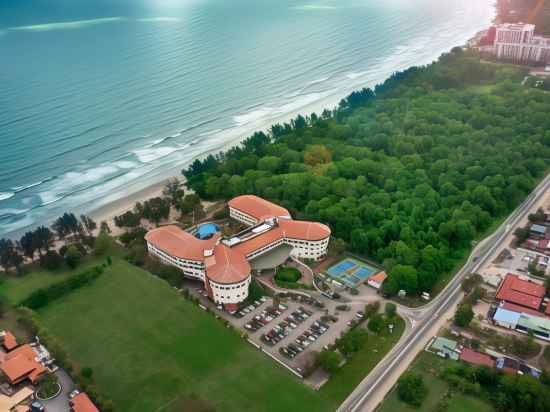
(408, 173)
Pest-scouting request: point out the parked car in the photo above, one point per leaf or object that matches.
(37, 407)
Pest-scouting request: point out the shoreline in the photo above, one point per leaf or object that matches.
(124, 197)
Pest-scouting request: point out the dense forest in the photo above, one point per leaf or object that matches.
(408, 174)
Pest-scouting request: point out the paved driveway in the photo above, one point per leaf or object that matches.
(61, 402)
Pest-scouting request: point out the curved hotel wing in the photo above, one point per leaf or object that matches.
(223, 264)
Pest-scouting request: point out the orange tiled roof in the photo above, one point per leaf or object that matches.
(521, 292)
(257, 207)
(9, 340)
(259, 241)
(179, 243)
(82, 403)
(379, 277)
(227, 266)
(303, 230)
(20, 364)
(476, 358)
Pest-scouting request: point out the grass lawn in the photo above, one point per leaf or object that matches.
(148, 346)
(342, 383)
(16, 288)
(429, 365)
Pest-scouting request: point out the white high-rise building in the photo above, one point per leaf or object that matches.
(517, 42)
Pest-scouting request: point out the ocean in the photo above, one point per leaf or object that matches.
(101, 98)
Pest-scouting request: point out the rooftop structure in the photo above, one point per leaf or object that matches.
(445, 346)
(523, 321)
(538, 229)
(224, 264)
(376, 280)
(82, 403)
(521, 291)
(8, 340)
(476, 358)
(22, 363)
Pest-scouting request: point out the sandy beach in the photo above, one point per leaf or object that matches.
(108, 212)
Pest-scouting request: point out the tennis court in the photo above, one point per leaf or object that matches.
(351, 272)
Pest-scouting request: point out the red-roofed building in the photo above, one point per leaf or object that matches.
(475, 358)
(223, 264)
(82, 403)
(520, 309)
(21, 363)
(8, 340)
(376, 280)
(521, 292)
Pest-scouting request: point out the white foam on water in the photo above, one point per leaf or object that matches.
(68, 25)
(253, 116)
(148, 155)
(12, 212)
(355, 75)
(18, 189)
(49, 197)
(6, 195)
(321, 80)
(125, 164)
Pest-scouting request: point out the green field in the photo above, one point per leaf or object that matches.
(148, 346)
(429, 365)
(15, 288)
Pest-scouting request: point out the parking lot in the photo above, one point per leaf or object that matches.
(519, 259)
(290, 331)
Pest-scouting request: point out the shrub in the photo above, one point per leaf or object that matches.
(329, 361)
(51, 260)
(391, 310)
(372, 309)
(411, 389)
(464, 315)
(288, 274)
(87, 372)
(43, 296)
(73, 256)
(376, 323)
(102, 244)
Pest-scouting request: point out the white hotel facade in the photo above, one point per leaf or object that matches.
(519, 44)
(223, 264)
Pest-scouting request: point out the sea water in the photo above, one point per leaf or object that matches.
(99, 98)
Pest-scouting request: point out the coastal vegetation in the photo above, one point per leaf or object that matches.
(407, 174)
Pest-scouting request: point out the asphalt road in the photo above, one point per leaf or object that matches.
(421, 319)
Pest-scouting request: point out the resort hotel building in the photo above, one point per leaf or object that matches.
(517, 43)
(225, 264)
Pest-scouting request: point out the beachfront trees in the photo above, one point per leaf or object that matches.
(156, 209)
(66, 225)
(28, 244)
(9, 256)
(408, 176)
(128, 219)
(89, 224)
(44, 239)
(173, 191)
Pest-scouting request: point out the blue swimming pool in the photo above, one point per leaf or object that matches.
(207, 230)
